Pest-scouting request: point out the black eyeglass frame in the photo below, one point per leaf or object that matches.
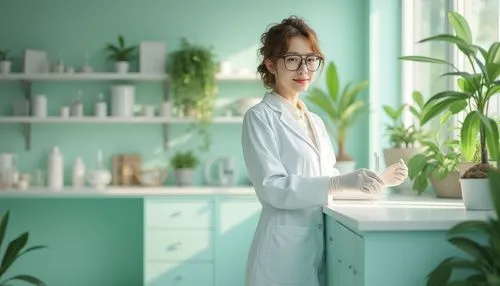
(303, 60)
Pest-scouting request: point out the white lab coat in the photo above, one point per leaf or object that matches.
(291, 178)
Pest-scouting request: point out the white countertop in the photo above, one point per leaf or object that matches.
(130, 192)
(402, 213)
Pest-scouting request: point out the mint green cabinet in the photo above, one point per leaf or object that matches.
(237, 221)
(198, 241)
(389, 258)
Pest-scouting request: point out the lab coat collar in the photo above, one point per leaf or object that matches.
(280, 105)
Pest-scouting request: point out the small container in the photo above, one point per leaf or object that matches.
(101, 107)
(78, 178)
(65, 111)
(166, 109)
(55, 169)
(149, 111)
(40, 106)
(77, 106)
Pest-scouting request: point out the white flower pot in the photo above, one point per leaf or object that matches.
(5, 67)
(345, 167)
(121, 67)
(476, 194)
(184, 177)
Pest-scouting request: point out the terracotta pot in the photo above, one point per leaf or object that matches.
(449, 187)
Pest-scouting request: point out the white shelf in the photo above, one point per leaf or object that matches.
(96, 76)
(88, 119)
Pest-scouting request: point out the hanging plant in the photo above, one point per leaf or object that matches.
(192, 71)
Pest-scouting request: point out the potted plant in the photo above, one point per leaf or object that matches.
(5, 62)
(439, 164)
(405, 141)
(472, 97)
(342, 109)
(13, 251)
(192, 70)
(121, 54)
(184, 164)
(479, 242)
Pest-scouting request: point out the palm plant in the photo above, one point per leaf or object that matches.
(342, 108)
(120, 52)
(15, 249)
(474, 94)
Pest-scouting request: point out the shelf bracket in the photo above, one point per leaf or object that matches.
(27, 126)
(165, 125)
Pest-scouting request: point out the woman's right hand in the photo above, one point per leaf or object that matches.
(362, 180)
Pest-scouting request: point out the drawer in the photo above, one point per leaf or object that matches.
(178, 213)
(168, 245)
(179, 274)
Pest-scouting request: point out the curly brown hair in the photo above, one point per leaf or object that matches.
(275, 42)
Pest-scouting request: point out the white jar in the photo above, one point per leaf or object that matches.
(122, 100)
(40, 105)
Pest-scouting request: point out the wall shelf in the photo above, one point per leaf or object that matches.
(113, 120)
(97, 76)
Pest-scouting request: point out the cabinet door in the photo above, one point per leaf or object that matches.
(332, 259)
(235, 226)
(350, 260)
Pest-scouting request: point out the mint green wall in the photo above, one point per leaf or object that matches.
(69, 29)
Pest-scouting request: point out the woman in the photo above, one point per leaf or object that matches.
(289, 159)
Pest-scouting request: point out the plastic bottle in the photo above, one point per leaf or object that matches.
(55, 170)
(78, 178)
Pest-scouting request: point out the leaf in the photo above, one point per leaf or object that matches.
(448, 94)
(332, 81)
(394, 114)
(458, 106)
(492, 138)
(469, 225)
(425, 60)
(29, 249)
(472, 248)
(438, 108)
(451, 39)
(484, 53)
(441, 274)
(351, 109)
(418, 98)
(460, 26)
(494, 182)
(349, 96)
(493, 60)
(27, 278)
(320, 99)
(416, 164)
(492, 91)
(3, 227)
(468, 135)
(12, 251)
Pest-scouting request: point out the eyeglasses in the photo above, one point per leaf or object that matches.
(294, 62)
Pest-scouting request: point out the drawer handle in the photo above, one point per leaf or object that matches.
(176, 214)
(174, 246)
(178, 278)
(330, 238)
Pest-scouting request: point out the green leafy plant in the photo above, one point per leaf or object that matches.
(342, 107)
(436, 161)
(184, 160)
(401, 136)
(120, 52)
(4, 55)
(483, 259)
(193, 71)
(15, 249)
(476, 88)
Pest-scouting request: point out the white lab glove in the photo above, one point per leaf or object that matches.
(360, 180)
(395, 174)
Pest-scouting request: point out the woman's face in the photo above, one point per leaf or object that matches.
(295, 70)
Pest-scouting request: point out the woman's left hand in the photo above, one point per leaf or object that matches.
(395, 174)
